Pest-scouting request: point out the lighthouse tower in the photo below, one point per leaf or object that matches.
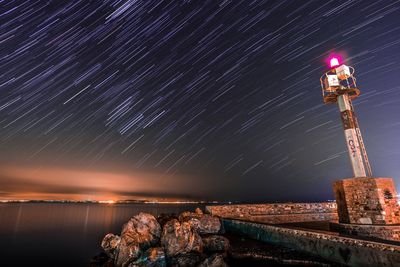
(339, 86)
(367, 206)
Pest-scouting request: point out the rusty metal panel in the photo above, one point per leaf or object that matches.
(348, 119)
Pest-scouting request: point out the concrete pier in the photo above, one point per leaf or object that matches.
(343, 250)
(278, 213)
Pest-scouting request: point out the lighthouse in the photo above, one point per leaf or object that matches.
(339, 87)
(367, 206)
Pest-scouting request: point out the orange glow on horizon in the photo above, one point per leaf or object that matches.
(29, 183)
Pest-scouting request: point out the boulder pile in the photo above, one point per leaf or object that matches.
(190, 239)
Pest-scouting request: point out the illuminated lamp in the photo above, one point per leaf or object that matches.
(334, 61)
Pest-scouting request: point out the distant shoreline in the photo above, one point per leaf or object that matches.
(109, 202)
(116, 202)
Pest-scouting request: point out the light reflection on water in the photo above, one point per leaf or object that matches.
(56, 234)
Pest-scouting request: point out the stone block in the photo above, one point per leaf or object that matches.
(367, 201)
(277, 213)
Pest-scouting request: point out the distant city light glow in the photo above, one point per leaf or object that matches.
(107, 202)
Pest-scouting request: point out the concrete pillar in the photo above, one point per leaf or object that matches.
(350, 134)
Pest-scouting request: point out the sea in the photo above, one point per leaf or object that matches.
(65, 234)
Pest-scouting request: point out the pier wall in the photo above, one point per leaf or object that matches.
(278, 212)
(343, 250)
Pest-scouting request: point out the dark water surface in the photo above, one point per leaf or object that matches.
(56, 234)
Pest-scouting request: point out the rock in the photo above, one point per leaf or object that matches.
(127, 253)
(215, 260)
(198, 211)
(186, 215)
(138, 234)
(180, 238)
(185, 260)
(194, 224)
(156, 257)
(153, 257)
(142, 229)
(110, 245)
(216, 243)
(203, 223)
(164, 218)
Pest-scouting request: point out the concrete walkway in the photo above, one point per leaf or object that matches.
(330, 246)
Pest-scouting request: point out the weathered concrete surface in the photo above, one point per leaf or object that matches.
(367, 201)
(383, 232)
(277, 213)
(348, 251)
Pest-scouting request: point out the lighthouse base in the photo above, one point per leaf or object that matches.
(364, 204)
(367, 201)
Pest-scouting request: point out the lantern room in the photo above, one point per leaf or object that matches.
(337, 81)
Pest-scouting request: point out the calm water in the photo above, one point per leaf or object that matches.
(46, 234)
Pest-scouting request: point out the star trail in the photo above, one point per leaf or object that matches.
(224, 96)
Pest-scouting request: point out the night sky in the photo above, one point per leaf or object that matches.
(191, 99)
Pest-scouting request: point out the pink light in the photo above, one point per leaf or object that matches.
(334, 61)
